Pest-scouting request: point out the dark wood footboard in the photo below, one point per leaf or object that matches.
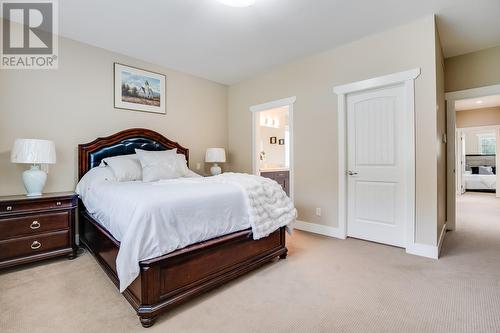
(176, 277)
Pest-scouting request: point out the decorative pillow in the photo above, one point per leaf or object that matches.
(125, 167)
(475, 170)
(182, 165)
(93, 177)
(158, 165)
(494, 170)
(485, 170)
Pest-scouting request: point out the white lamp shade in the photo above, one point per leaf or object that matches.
(33, 151)
(215, 155)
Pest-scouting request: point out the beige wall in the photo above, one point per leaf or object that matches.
(74, 104)
(473, 70)
(311, 80)
(478, 117)
(441, 130)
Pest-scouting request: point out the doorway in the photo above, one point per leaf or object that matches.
(477, 159)
(272, 142)
(474, 128)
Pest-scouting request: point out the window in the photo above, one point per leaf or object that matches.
(487, 144)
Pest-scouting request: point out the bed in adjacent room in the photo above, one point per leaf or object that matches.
(480, 183)
(480, 173)
(162, 233)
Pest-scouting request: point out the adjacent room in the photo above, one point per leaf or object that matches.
(249, 166)
(272, 145)
(477, 126)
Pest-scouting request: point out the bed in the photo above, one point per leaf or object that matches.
(168, 280)
(480, 183)
(480, 173)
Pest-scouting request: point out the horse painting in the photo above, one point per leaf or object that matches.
(139, 89)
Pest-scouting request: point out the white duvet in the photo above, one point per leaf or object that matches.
(153, 219)
(480, 182)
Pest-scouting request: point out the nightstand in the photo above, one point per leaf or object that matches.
(37, 228)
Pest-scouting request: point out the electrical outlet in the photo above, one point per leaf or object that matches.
(198, 166)
(318, 211)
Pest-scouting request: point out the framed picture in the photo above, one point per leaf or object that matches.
(139, 90)
(281, 141)
(272, 140)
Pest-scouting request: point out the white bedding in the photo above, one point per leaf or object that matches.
(153, 219)
(480, 182)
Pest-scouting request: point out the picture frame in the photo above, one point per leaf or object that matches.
(272, 140)
(138, 89)
(281, 142)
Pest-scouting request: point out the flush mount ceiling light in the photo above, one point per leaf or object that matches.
(479, 102)
(237, 3)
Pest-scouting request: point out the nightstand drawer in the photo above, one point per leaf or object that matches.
(26, 246)
(34, 224)
(28, 206)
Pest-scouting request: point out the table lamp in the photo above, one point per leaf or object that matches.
(34, 152)
(215, 155)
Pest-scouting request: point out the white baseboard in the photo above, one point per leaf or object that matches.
(318, 229)
(441, 238)
(423, 250)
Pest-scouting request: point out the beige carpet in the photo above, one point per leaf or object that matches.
(325, 285)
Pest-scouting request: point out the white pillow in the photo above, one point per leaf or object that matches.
(93, 177)
(158, 165)
(182, 165)
(485, 170)
(125, 167)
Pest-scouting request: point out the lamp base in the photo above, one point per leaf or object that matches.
(215, 170)
(34, 180)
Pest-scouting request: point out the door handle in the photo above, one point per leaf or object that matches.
(352, 173)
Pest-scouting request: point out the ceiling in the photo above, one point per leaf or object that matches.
(477, 103)
(227, 45)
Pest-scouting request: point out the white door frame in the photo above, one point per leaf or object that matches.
(255, 109)
(459, 151)
(407, 78)
(496, 130)
(451, 98)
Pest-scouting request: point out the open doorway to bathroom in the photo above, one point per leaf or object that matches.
(273, 141)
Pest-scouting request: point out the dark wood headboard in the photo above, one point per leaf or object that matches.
(123, 143)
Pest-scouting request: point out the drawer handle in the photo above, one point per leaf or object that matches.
(36, 245)
(58, 203)
(9, 208)
(35, 225)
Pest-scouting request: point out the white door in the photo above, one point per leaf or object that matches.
(377, 140)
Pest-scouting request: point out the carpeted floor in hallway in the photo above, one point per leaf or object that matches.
(325, 285)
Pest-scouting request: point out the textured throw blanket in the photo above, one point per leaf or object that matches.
(269, 207)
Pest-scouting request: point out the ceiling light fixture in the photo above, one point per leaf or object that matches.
(237, 3)
(479, 102)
